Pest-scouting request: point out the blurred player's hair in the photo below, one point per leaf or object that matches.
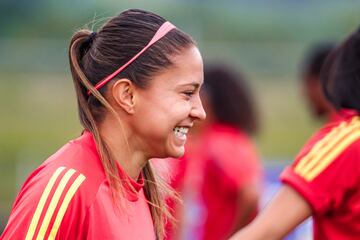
(230, 97)
(315, 58)
(341, 74)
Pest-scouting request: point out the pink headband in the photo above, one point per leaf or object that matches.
(161, 32)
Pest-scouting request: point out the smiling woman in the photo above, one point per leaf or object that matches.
(137, 82)
(170, 105)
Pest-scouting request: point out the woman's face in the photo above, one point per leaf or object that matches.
(317, 101)
(167, 108)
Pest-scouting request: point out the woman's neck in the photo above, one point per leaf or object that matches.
(117, 139)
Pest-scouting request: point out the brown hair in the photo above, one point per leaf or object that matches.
(230, 97)
(341, 74)
(95, 56)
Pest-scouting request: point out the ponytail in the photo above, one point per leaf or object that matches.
(77, 50)
(155, 191)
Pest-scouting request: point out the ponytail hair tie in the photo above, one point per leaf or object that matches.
(87, 44)
(92, 37)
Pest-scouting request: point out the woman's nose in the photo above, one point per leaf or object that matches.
(198, 111)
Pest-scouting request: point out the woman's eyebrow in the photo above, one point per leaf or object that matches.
(194, 84)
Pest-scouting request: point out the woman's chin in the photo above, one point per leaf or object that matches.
(170, 152)
(177, 152)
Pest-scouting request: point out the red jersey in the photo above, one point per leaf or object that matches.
(68, 197)
(220, 164)
(327, 174)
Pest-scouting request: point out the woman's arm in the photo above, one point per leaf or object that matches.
(246, 208)
(286, 211)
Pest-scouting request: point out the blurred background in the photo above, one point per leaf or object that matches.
(265, 40)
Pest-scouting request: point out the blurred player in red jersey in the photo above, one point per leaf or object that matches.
(137, 83)
(323, 182)
(310, 77)
(222, 171)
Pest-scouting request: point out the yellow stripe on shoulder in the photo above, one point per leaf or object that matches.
(40, 206)
(326, 146)
(329, 158)
(54, 202)
(305, 160)
(69, 195)
(322, 154)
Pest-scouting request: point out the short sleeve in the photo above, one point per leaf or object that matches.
(324, 176)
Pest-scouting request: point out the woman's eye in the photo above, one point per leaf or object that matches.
(189, 93)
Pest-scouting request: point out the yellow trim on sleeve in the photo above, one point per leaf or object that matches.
(328, 159)
(317, 147)
(40, 206)
(53, 203)
(326, 147)
(69, 195)
(326, 150)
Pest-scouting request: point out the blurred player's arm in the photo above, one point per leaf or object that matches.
(247, 202)
(286, 211)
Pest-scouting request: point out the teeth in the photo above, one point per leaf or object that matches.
(181, 131)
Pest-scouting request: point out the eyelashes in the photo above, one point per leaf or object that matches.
(189, 93)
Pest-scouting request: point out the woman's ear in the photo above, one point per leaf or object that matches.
(123, 93)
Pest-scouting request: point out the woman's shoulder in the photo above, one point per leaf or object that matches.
(75, 167)
(79, 155)
(57, 193)
(336, 144)
(341, 135)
